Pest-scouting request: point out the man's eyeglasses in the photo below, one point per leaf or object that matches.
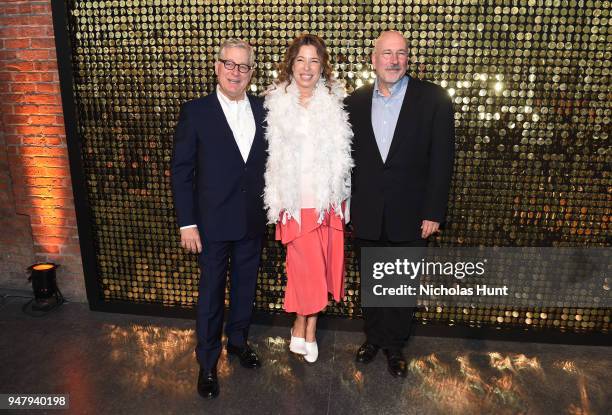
(230, 65)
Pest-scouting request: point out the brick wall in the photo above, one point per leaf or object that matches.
(37, 221)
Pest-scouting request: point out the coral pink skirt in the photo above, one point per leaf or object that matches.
(315, 261)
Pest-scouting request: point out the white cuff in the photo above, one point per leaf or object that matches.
(189, 226)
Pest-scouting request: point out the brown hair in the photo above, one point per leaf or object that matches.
(285, 68)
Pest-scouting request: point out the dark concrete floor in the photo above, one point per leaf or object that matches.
(125, 364)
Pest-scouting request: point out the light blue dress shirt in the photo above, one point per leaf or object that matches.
(385, 112)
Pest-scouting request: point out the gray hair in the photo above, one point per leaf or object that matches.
(236, 43)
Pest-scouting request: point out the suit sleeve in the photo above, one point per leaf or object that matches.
(183, 167)
(442, 153)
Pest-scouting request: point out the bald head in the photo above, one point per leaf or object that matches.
(390, 35)
(390, 59)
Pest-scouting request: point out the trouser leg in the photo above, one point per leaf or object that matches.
(246, 256)
(211, 300)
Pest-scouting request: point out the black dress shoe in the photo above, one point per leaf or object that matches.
(366, 353)
(208, 385)
(248, 357)
(396, 363)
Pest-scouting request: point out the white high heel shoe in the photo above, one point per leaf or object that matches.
(312, 351)
(298, 344)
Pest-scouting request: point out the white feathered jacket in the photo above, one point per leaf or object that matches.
(332, 134)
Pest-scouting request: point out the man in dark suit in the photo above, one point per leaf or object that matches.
(403, 150)
(217, 181)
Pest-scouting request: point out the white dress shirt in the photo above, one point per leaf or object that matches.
(240, 118)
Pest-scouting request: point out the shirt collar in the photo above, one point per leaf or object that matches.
(228, 101)
(395, 88)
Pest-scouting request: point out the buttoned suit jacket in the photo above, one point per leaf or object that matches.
(213, 186)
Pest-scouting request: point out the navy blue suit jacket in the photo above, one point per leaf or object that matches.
(212, 185)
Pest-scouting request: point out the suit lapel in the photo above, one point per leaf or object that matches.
(220, 116)
(406, 121)
(257, 111)
(367, 119)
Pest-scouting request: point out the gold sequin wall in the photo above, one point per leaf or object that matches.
(531, 84)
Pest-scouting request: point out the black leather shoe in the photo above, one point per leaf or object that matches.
(208, 385)
(396, 363)
(366, 353)
(248, 357)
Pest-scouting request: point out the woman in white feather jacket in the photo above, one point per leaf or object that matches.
(308, 182)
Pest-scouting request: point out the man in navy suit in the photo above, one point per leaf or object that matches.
(403, 150)
(217, 181)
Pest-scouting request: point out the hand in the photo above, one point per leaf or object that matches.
(348, 229)
(428, 228)
(190, 240)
